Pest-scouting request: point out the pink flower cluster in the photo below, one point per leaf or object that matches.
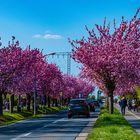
(20, 68)
(111, 59)
(73, 86)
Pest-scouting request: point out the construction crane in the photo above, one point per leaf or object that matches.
(68, 55)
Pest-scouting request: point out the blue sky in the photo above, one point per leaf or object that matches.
(47, 24)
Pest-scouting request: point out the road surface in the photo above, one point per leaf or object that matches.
(49, 127)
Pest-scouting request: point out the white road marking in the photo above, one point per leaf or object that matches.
(22, 135)
(25, 135)
(53, 122)
(45, 125)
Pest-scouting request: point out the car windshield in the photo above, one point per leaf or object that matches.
(77, 102)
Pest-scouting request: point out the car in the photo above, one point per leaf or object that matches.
(78, 107)
(103, 100)
(100, 101)
(91, 105)
(96, 103)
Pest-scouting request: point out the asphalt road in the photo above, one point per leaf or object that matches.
(49, 127)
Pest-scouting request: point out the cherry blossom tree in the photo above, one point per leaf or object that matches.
(19, 70)
(70, 84)
(10, 66)
(48, 77)
(73, 86)
(111, 59)
(52, 82)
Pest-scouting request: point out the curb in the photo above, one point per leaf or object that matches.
(85, 131)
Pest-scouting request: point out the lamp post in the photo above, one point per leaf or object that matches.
(35, 79)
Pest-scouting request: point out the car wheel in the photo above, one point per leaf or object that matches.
(69, 116)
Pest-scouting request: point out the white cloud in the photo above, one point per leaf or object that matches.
(48, 36)
(51, 36)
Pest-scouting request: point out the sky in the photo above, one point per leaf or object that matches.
(47, 24)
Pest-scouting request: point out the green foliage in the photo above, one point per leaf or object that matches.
(8, 118)
(91, 97)
(112, 127)
(137, 89)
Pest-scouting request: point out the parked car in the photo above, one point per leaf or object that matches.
(78, 107)
(103, 100)
(96, 103)
(91, 105)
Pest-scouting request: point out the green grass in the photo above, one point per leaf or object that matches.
(112, 127)
(9, 118)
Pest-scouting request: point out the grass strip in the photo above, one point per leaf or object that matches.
(112, 127)
(9, 118)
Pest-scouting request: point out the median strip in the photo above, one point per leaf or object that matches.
(112, 126)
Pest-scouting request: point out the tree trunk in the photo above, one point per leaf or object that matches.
(111, 107)
(107, 102)
(28, 102)
(49, 102)
(44, 103)
(33, 104)
(68, 100)
(65, 101)
(1, 104)
(11, 103)
(53, 102)
(19, 104)
(62, 101)
(5, 94)
(56, 103)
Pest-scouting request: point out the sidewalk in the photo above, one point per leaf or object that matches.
(133, 118)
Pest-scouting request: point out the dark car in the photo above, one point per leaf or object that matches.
(78, 107)
(96, 103)
(91, 105)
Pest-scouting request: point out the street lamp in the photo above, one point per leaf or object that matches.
(35, 90)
